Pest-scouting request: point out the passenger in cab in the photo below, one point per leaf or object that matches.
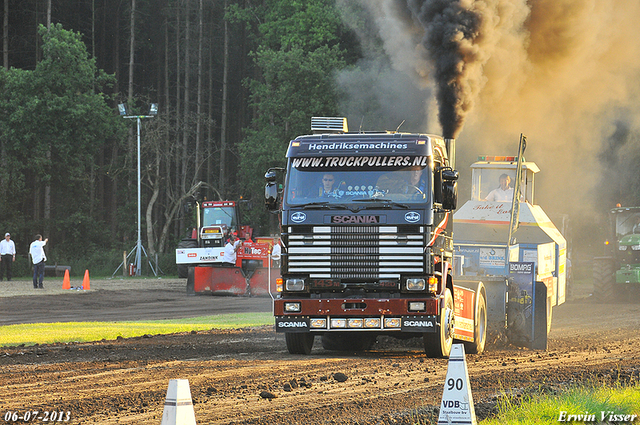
(410, 182)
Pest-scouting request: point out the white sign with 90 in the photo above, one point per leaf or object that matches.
(457, 401)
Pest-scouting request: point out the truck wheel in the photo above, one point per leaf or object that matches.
(603, 279)
(479, 328)
(347, 341)
(439, 344)
(183, 269)
(299, 343)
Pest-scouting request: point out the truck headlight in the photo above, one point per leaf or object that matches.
(338, 323)
(372, 322)
(292, 307)
(417, 306)
(635, 247)
(392, 322)
(355, 323)
(294, 285)
(416, 284)
(622, 248)
(319, 323)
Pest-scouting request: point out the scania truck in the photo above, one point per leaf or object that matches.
(367, 245)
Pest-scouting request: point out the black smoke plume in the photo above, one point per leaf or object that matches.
(451, 37)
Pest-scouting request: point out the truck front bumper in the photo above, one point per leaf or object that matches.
(397, 315)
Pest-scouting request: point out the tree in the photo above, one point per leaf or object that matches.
(54, 109)
(300, 49)
(151, 48)
(5, 36)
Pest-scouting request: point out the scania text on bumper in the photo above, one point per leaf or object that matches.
(331, 323)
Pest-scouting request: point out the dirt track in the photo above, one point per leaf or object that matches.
(125, 381)
(114, 299)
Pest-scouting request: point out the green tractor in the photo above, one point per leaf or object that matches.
(617, 274)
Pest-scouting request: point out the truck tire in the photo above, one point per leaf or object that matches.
(299, 343)
(604, 279)
(438, 344)
(347, 341)
(183, 269)
(479, 327)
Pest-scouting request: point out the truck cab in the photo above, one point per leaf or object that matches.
(218, 217)
(367, 242)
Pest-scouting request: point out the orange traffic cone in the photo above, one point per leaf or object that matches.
(66, 282)
(86, 285)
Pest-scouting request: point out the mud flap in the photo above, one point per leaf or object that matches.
(539, 340)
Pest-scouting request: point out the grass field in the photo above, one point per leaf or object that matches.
(577, 405)
(49, 333)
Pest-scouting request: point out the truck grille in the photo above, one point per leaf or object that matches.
(363, 253)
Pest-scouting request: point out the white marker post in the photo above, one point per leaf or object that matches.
(178, 407)
(457, 401)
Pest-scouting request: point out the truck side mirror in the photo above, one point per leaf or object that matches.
(271, 196)
(449, 189)
(271, 191)
(449, 175)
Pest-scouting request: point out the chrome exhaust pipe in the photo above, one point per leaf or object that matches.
(451, 152)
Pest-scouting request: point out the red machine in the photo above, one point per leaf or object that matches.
(249, 277)
(199, 258)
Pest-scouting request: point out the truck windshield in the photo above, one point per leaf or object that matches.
(219, 215)
(406, 185)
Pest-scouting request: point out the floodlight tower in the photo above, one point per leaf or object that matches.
(153, 111)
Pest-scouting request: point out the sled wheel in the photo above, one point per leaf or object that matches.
(479, 327)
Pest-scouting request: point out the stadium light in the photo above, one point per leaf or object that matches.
(124, 112)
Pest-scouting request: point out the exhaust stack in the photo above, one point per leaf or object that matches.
(451, 151)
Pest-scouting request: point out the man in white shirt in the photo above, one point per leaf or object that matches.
(503, 193)
(38, 257)
(230, 251)
(7, 255)
(276, 251)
